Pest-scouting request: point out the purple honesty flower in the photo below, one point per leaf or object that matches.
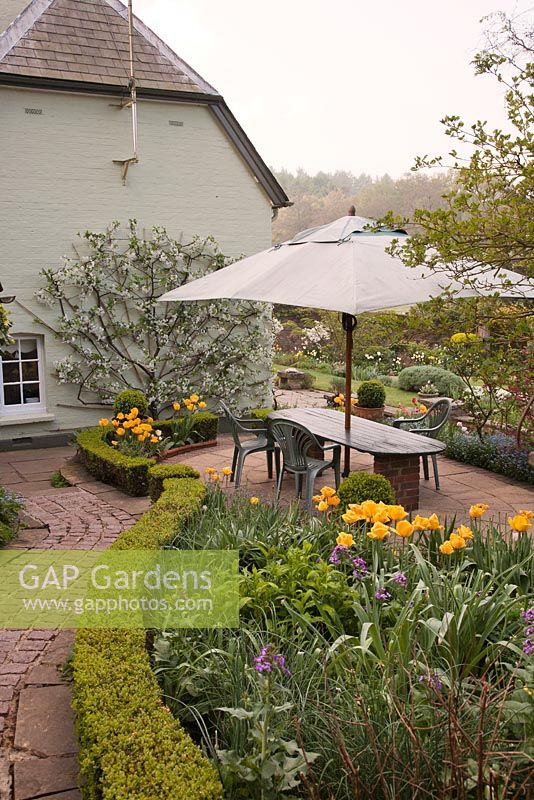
(432, 680)
(268, 659)
(401, 579)
(382, 594)
(528, 642)
(361, 570)
(339, 551)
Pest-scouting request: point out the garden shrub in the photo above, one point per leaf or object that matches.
(260, 413)
(129, 473)
(159, 473)
(10, 505)
(130, 398)
(447, 383)
(206, 425)
(360, 486)
(130, 745)
(497, 453)
(371, 394)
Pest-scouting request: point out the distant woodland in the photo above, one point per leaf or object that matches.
(325, 196)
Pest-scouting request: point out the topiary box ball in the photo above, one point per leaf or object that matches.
(361, 486)
(131, 398)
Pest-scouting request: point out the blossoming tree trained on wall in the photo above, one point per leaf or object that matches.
(121, 337)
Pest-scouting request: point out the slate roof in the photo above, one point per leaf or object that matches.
(83, 45)
(87, 40)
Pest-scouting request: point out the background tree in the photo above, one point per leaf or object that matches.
(5, 325)
(487, 221)
(121, 337)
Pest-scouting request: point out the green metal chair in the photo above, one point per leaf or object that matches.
(261, 441)
(295, 441)
(428, 424)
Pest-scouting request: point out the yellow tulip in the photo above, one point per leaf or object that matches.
(378, 531)
(465, 532)
(477, 510)
(202, 404)
(154, 439)
(350, 517)
(381, 514)
(194, 398)
(369, 509)
(140, 437)
(114, 442)
(420, 523)
(433, 523)
(404, 528)
(120, 415)
(150, 420)
(103, 422)
(115, 423)
(458, 542)
(317, 498)
(396, 513)
(226, 471)
(323, 505)
(176, 406)
(254, 501)
(215, 477)
(345, 539)
(120, 431)
(527, 514)
(520, 523)
(446, 548)
(327, 491)
(334, 500)
(134, 412)
(209, 470)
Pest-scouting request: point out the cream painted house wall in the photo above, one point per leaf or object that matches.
(57, 179)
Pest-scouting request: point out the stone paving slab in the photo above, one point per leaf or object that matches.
(40, 777)
(45, 721)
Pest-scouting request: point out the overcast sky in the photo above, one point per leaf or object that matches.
(338, 84)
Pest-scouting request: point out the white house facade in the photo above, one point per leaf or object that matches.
(65, 141)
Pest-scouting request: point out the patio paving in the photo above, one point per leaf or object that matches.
(461, 484)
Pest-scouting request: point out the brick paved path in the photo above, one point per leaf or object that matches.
(37, 744)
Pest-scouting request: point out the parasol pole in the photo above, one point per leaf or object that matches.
(349, 323)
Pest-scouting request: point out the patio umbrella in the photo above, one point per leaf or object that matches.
(342, 266)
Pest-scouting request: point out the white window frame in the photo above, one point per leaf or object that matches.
(26, 409)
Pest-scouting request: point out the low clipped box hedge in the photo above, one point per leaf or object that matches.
(360, 486)
(159, 473)
(128, 473)
(371, 394)
(411, 379)
(131, 747)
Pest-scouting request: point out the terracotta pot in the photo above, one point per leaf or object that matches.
(186, 448)
(375, 414)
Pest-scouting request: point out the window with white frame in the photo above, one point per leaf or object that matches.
(21, 384)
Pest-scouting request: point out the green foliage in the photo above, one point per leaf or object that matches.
(447, 383)
(130, 746)
(103, 462)
(58, 481)
(159, 473)
(360, 486)
(10, 505)
(496, 452)
(371, 394)
(260, 413)
(120, 337)
(6, 533)
(5, 325)
(128, 399)
(205, 424)
(417, 700)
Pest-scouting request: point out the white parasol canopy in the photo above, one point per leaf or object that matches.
(340, 267)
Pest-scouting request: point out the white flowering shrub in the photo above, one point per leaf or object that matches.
(120, 336)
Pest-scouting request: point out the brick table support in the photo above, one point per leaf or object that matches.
(403, 472)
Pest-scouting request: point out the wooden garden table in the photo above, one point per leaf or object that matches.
(397, 453)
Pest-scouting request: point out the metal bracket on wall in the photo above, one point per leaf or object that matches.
(125, 164)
